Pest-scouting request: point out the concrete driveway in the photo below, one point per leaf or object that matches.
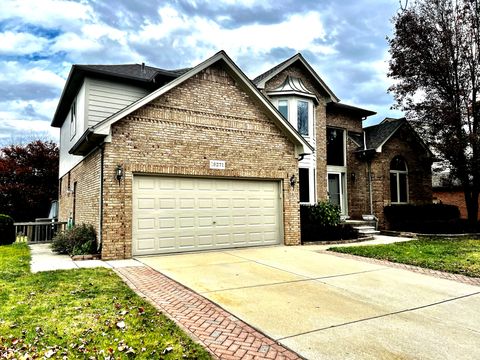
(327, 307)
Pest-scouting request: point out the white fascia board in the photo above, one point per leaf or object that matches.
(301, 145)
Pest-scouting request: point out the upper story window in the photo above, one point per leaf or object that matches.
(336, 147)
(398, 181)
(296, 103)
(283, 108)
(302, 117)
(73, 119)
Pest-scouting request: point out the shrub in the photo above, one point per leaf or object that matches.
(321, 222)
(426, 218)
(324, 214)
(79, 240)
(7, 230)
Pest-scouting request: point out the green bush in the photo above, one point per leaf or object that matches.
(7, 230)
(426, 218)
(324, 214)
(79, 240)
(321, 222)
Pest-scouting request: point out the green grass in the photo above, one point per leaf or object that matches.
(450, 255)
(78, 314)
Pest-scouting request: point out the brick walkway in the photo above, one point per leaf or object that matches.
(225, 336)
(439, 274)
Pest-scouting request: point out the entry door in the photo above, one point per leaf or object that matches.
(335, 190)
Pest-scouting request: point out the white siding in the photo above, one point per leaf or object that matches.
(105, 98)
(68, 161)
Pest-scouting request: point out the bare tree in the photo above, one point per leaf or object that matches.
(435, 62)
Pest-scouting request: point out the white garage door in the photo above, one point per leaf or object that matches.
(187, 214)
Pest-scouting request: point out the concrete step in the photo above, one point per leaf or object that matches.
(366, 230)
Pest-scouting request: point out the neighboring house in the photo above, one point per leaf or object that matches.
(166, 161)
(449, 191)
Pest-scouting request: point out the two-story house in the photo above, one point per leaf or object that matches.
(164, 161)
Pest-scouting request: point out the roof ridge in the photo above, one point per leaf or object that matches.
(266, 73)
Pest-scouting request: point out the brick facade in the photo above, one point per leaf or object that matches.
(402, 143)
(211, 117)
(79, 193)
(453, 196)
(405, 144)
(207, 117)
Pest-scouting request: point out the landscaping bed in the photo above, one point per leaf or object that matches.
(80, 314)
(460, 256)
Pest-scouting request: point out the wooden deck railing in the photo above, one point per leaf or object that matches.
(38, 231)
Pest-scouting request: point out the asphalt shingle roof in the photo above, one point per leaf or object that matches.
(376, 135)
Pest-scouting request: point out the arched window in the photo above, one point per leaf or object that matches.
(398, 181)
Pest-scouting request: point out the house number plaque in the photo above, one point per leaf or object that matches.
(217, 164)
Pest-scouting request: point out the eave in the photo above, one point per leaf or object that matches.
(87, 142)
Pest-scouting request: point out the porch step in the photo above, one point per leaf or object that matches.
(366, 230)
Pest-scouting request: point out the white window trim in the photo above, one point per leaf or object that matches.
(398, 172)
(292, 118)
(342, 172)
(73, 119)
(311, 185)
(344, 146)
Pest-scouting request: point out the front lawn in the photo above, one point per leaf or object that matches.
(450, 255)
(80, 314)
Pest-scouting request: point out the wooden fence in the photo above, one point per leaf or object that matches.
(38, 231)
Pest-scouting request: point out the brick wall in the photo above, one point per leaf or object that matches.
(405, 144)
(453, 197)
(86, 175)
(207, 117)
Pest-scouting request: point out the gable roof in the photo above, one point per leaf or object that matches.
(377, 135)
(261, 79)
(136, 74)
(102, 129)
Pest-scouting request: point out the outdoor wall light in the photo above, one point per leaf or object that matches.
(352, 177)
(293, 180)
(119, 173)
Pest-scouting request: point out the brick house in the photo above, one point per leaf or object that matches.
(164, 161)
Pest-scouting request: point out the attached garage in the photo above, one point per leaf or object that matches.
(178, 214)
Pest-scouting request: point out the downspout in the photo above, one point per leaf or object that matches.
(100, 224)
(369, 171)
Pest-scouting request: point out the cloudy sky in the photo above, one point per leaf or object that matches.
(343, 40)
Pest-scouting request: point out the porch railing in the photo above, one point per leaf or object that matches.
(38, 231)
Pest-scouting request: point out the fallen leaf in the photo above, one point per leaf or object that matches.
(167, 350)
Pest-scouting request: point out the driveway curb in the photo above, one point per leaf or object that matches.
(224, 335)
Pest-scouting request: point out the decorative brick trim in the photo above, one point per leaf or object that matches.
(221, 333)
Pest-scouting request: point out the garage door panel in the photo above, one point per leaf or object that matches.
(187, 214)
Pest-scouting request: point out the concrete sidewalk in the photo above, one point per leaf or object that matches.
(43, 259)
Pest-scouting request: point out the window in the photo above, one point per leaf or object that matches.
(73, 119)
(335, 147)
(283, 108)
(398, 181)
(335, 189)
(299, 113)
(302, 117)
(304, 185)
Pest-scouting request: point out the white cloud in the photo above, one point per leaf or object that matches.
(29, 73)
(205, 35)
(47, 13)
(14, 127)
(21, 43)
